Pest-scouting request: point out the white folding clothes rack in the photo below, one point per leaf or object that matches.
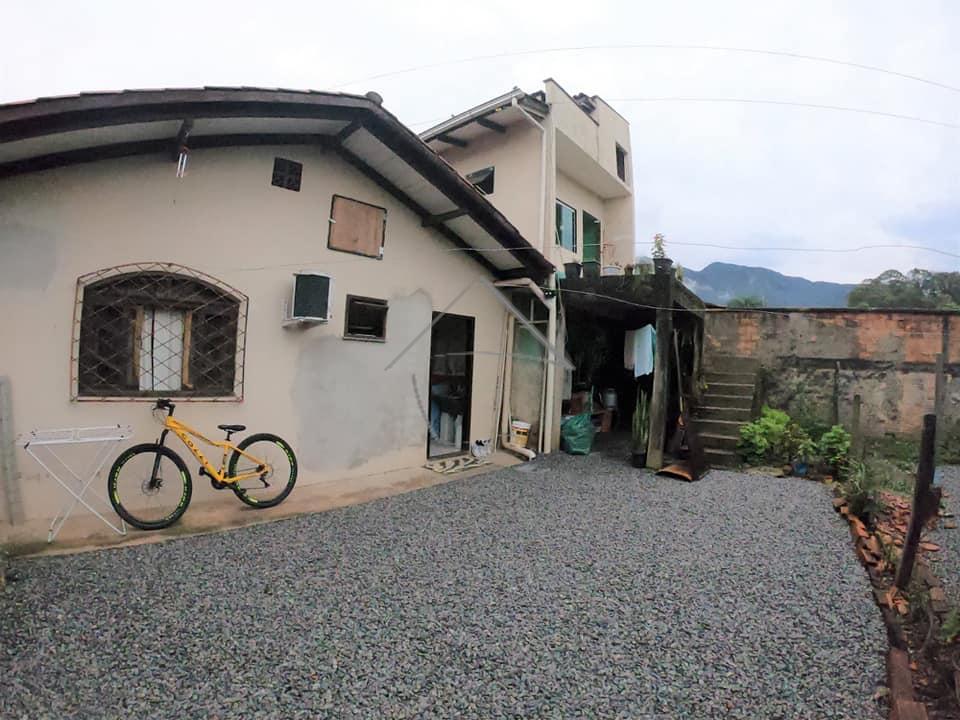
(40, 444)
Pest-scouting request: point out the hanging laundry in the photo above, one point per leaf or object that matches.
(644, 347)
(628, 347)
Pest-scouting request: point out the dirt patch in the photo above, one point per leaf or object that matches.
(923, 666)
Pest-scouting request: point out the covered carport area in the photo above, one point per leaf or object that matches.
(601, 313)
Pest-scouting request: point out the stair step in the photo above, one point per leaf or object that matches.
(728, 401)
(720, 441)
(720, 458)
(731, 364)
(748, 378)
(738, 389)
(707, 412)
(719, 427)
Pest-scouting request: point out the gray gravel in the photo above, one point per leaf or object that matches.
(947, 562)
(568, 587)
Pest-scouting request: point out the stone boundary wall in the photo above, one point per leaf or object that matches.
(808, 356)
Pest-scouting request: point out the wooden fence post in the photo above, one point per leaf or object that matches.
(856, 449)
(939, 389)
(663, 285)
(924, 502)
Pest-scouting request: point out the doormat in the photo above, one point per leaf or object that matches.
(455, 465)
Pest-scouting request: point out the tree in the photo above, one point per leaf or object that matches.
(747, 301)
(917, 289)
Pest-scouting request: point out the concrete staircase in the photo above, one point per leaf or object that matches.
(726, 406)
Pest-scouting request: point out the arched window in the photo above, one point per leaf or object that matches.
(157, 329)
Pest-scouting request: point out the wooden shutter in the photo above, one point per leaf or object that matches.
(357, 227)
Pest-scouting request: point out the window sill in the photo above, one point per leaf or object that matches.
(364, 338)
(153, 398)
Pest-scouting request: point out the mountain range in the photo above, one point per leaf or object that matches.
(721, 282)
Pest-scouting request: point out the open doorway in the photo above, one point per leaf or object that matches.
(451, 384)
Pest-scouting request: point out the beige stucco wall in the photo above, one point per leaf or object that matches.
(619, 235)
(569, 118)
(580, 198)
(515, 157)
(613, 130)
(596, 134)
(331, 398)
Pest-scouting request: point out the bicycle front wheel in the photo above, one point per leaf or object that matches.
(149, 486)
(272, 461)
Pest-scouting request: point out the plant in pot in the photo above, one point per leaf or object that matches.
(797, 448)
(641, 429)
(658, 251)
(661, 263)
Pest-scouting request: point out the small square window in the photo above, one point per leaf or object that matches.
(482, 180)
(621, 163)
(286, 174)
(366, 319)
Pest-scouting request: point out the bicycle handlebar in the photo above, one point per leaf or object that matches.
(164, 404)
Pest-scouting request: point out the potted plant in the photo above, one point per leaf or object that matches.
(798, 449)
(641, 429)
(661, 263)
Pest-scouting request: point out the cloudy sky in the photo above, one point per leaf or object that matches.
(721, 173)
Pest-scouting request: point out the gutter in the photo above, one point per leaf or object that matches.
(471, 115)
(549, 367)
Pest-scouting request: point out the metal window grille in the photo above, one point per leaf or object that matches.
(157, 329)
(287, 173)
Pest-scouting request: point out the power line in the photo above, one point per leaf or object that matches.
(789, 103)
(325, 262)
(764, 101)
(762, 311)
(657, 46)
(892, 246)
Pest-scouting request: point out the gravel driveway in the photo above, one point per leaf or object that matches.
(947, 562)
(568, 587)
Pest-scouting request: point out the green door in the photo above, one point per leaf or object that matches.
(591, 241)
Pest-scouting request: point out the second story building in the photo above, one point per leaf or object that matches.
(557, 165)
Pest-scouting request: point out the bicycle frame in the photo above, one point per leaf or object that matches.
(184, 432)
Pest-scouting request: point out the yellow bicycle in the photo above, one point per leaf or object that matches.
(150, 486)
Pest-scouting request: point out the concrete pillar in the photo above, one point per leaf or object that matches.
(9, 477)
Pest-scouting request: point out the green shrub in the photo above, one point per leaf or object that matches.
(949, 437)
(860, 489)
(773, 437)
(796, 443)
(950, 630)
(753, 445)
(835, 446)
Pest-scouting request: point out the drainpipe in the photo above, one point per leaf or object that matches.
(549, 367)
(505, 413)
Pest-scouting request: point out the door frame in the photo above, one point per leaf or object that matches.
(468, 400)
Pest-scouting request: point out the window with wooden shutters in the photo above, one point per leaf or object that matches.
(157, 329)
(357, 227)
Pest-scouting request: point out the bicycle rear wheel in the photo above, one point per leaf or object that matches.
(272, 486)
(149, 486)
